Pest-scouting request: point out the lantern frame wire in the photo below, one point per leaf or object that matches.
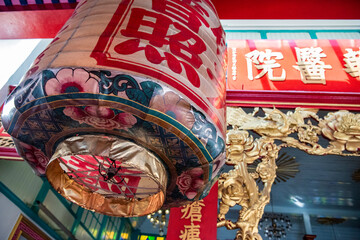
(110, 172)
(110, 179)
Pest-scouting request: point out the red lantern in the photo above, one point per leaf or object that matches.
(124, 110)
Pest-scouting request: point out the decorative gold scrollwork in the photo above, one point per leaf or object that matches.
(5, 140)
(238, 186)
(300, 129)
(342, 128)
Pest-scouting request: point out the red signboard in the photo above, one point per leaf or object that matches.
(330, 65)
(195, 221)
(320, 69)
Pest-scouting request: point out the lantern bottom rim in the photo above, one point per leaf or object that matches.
(108, 175)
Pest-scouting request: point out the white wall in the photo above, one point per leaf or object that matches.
(16, 56)
(9, 214)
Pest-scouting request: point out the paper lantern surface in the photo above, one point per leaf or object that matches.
(124, 111)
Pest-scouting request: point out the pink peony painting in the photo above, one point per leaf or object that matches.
(190, 182)
(35, 157)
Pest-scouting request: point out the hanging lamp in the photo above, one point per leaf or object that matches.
(124, 110)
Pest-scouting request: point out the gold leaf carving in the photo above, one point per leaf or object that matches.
(6, 142)
(238, 186)
(301, 128)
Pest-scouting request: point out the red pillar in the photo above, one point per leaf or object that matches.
(309, 237)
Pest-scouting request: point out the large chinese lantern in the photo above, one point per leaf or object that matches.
(124, 110)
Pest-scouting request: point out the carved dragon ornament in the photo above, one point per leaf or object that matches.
(301, 128)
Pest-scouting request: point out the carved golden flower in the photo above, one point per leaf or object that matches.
(266, 171)
(269, 150)
(240, 147)
(343, 129)
(232, 191)
(235, 191)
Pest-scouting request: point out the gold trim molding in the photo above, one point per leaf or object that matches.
(6, 142)
(301, 128)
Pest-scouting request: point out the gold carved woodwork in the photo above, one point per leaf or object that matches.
(301, 128)
(6, 142)
(5, 139)
(287, 168)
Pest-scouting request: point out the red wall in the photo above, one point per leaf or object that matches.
(46, 23)
(32, 24)
(288, 9)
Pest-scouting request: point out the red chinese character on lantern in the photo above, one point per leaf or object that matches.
(191, 13)
(154, 27)
(220, 39)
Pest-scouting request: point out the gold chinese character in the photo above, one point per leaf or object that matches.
(352, 62)
(193, 211)
(191, 232)
(312, 69)
(263, 61)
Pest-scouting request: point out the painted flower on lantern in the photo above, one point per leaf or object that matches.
(35, 157)
(343, 129)
(173, 105)
(101, 117)
(190, 181)
(69, 80)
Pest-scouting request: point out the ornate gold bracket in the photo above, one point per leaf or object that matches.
(5, 139)
(238, 186)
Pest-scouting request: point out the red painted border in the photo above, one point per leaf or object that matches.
(45, 22)
(24, 227)
(285, 9)
(309, 237)
(291, 99)
(262, 9)
(32, 24)
(10, 154)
